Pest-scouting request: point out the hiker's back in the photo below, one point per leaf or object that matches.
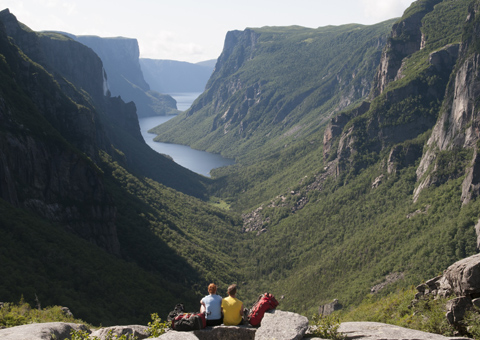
(231, 311)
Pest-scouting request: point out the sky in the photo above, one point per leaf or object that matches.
(192, 30)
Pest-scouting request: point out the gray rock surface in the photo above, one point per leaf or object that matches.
(329, 308)
(136, 330)
(280, 325)
(41, 331)
(376, 330)
(461, 282)
(213, 333)
(462, 278)
(276, 324)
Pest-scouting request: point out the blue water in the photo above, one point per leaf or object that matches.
(201, 162)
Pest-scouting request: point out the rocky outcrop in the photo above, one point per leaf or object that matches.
(138, 331)
(41, 331)
(213, 333)
(282, 325)
(458, 126)
(377, 330)
(335, 127)
(461, 282)
(329, 308)
(406, 38)
(276, 324)
(398, 113)
(402, 156)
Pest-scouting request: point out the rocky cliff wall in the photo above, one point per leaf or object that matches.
(125, 78)
(406, 38)
(61, 56)
(47, 151)
(458, 126)
(409, 107)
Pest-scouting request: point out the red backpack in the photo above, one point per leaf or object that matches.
(189, 322)
(265, 302)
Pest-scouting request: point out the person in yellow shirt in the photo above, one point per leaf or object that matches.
(232, 308)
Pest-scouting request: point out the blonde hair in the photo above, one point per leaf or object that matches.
(212, 288)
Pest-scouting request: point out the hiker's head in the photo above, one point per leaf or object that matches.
(232, 290)
(212, 288)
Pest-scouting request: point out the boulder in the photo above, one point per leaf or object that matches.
(461, 281)
(462, 278)
(456, 309)
(136, 330)
(280, 325)
(41, 331)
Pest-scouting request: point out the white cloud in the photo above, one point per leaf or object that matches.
(168, 45)
(384, 9)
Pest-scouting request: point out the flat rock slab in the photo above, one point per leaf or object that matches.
(136, 330)
(41, 331)
(381, 331)
(280, 325)
(213, 333)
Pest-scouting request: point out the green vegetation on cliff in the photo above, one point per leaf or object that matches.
(274, 85)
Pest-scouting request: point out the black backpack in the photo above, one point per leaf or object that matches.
(179, 309)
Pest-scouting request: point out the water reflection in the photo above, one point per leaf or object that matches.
(197, 161)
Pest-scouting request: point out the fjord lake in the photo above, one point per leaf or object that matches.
(201, 162)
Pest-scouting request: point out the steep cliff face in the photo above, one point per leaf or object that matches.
(458, 127)
(406, 38)
(61, 56)
(40, 170)
(120, 58)
(409, 86)
(278, 83)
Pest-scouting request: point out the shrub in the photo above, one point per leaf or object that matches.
(157, 327)
(326, 327)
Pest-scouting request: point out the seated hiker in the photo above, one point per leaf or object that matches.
(211, 306)
(232, 308)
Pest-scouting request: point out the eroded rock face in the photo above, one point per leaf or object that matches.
(398, 48)
(459, 124)
(462, 278)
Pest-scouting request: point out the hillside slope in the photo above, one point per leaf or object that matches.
(377, 192)
(272, 85)
(81, 226)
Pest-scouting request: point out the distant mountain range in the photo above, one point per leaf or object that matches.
(170, 76)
